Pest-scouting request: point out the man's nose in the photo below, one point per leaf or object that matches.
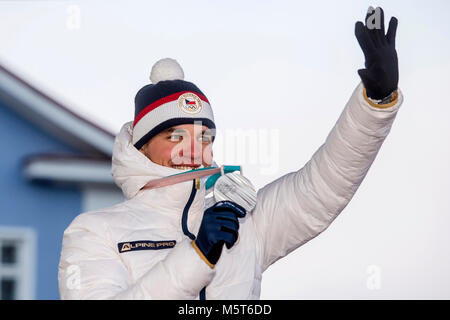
(192, 150)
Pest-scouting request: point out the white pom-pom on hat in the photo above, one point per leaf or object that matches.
(166, 69)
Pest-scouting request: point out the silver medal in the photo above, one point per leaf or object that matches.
(235, 187)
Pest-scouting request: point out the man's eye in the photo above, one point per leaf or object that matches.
(175, 137)
(206, 138)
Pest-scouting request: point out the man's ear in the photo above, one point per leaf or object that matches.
(143, 150)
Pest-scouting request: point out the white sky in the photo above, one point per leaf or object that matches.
(285, 68)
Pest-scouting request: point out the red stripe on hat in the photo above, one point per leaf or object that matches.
(157, 103)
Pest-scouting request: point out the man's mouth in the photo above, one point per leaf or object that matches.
(186, 167)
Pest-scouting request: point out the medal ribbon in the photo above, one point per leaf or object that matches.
(191, 175)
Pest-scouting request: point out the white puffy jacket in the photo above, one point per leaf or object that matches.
(290, 211)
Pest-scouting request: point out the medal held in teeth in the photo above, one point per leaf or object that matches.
(221, 183)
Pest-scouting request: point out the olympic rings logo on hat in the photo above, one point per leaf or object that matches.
(190, 103)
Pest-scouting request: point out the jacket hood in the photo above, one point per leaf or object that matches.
(130, 168)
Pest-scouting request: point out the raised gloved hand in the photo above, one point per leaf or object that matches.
(380, 77)
(219, 226)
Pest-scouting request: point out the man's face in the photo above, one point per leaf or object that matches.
(185, 146)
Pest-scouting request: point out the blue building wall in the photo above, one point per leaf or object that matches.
(45, 208)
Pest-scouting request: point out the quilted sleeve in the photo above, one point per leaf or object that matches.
(300, 205)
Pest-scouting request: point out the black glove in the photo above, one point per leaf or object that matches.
(219, 226)
(380, 78)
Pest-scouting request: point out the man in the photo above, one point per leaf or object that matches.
(165, 243)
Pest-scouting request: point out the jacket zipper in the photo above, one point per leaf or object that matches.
(186, 211)
(184, 226)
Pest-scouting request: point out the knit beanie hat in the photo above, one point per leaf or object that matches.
(168, 101)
